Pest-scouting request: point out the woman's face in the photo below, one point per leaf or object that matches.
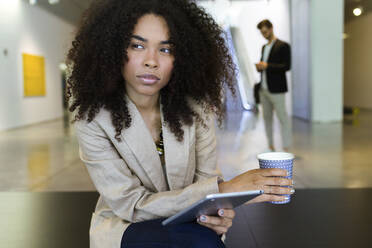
(150, 60)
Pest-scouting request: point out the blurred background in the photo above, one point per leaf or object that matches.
(328, 101)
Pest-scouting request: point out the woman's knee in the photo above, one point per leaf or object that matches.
(212, 241)
(204, 237)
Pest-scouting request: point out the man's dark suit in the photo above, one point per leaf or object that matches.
(278, 63)
(273, 96)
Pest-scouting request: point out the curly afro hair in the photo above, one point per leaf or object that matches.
(203, 67)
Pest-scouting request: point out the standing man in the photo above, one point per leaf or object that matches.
(275, 61)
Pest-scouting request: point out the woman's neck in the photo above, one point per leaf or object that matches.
(149, 109)
(146, 104)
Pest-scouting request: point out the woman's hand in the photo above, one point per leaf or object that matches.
(220, 224)
(268, 180)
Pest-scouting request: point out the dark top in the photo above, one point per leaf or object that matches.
(278, 63)
(160, 148)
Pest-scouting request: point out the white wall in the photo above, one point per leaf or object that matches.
(317, 28)
(358, 62)
(301, 62)
(327, 24)
(29, 29)
(246, 15)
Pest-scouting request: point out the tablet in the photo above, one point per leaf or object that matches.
(210, 206)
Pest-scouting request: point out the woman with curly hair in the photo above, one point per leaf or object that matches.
(147, 79)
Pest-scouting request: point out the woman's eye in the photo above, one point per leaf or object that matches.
(137, 46)
(166, 50)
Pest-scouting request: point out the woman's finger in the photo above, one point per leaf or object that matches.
(278, 190)
(274, 172)
(268, 197)
(216, 221)
(226, 213)
(278, 181)
(218, 229)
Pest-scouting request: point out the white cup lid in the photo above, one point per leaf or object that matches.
(275, 156)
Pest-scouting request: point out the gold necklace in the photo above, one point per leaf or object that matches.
(160, 144)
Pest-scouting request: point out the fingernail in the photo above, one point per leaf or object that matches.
(203, 218)
(221, 212)
(286, 198)
(292, 191)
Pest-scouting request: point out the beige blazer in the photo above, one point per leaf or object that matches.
(130, 178)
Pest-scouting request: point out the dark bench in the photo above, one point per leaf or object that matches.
(315, 218)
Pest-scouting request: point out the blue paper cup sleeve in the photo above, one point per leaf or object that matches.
(279, 160)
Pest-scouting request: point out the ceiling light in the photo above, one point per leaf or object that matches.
(33, 2)
(358, 11)
(53, 1)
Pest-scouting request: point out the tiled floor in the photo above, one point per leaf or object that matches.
(44, 157)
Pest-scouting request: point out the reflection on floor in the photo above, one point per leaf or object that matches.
(44, 157)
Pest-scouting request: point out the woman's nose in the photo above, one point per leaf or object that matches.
(151, 60)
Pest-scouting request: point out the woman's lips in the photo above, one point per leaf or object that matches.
(148, 78)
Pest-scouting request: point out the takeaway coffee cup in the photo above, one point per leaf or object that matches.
(280, 160)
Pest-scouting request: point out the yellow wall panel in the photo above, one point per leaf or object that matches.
(33, 75)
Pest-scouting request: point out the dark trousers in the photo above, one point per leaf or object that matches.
(151, 234)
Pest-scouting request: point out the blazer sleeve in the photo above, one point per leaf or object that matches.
(122, 190)
(284, 64)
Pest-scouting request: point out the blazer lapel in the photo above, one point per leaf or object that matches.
(176, 155)
(139, 140)
(273, 49)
